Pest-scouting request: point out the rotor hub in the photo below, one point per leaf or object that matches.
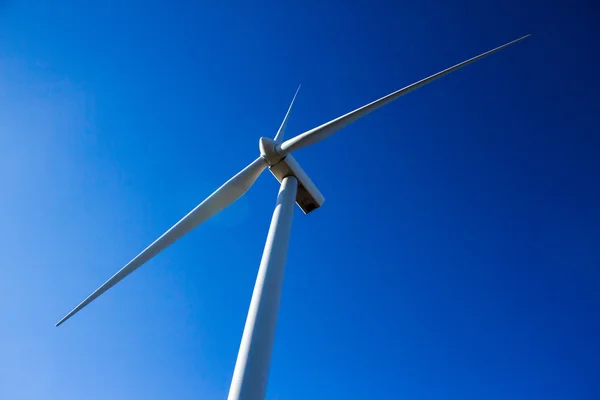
(268, 151)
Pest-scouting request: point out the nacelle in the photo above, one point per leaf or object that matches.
(308, 197)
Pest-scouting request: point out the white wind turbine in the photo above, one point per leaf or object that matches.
(252, 366)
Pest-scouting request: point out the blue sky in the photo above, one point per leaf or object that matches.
(457, 253)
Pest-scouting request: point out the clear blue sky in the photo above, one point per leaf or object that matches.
(457, 253)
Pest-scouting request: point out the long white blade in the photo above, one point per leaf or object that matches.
(321, 132)
(232, 190)
(281, 131)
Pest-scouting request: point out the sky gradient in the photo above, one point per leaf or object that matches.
(457, 255)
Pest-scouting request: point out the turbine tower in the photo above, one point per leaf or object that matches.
(251, 371)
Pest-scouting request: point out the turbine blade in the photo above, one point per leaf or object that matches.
(321, 132)
(229, 192)
(281, 131)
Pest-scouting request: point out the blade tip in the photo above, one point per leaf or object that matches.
(64, 319)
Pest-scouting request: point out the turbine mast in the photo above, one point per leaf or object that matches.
(251, 372)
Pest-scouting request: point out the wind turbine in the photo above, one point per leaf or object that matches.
(252, 366)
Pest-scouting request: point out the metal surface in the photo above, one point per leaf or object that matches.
(252, 366)
(251, 372)
(308, 196)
